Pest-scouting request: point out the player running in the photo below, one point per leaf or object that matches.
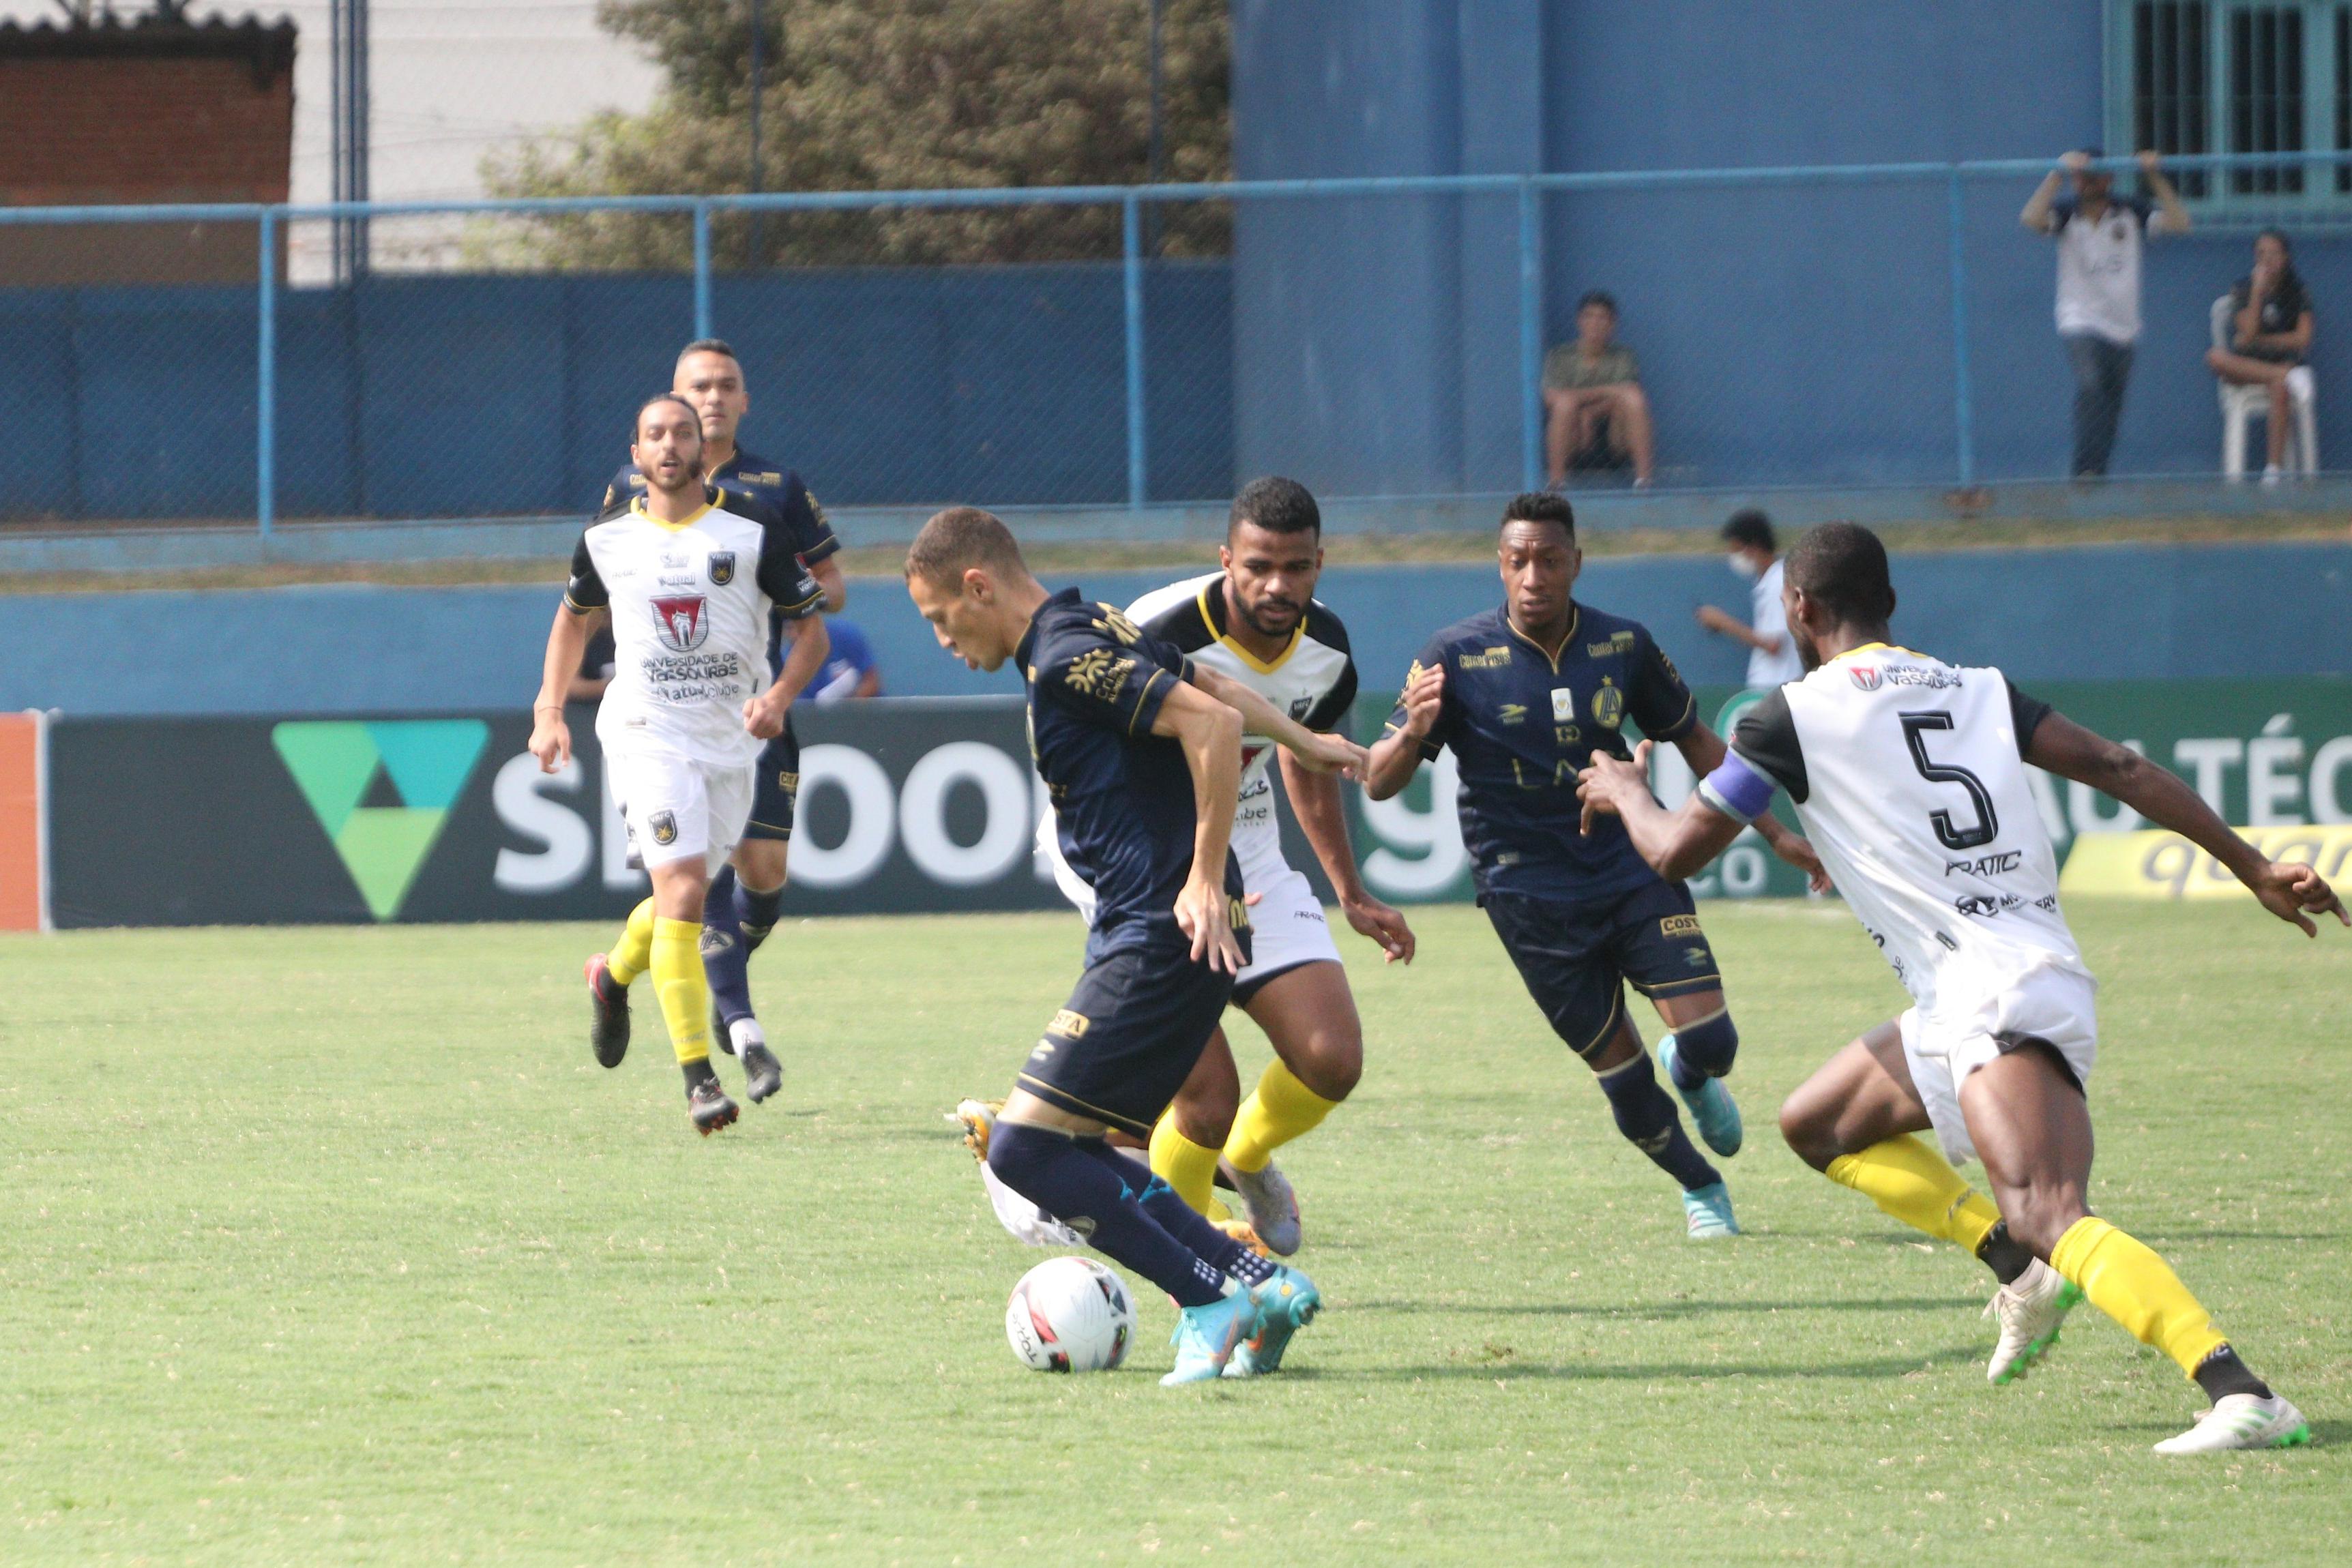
(1140, 752)
(1257, 621)
(1527, 696)
(1909, 774)
(747, 892)
(688, 574)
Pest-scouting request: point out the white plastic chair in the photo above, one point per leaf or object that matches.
(2241, 405)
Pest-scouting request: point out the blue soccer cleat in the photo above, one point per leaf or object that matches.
(1286, 1303)
(1706, 1211)
(1205, 1337)
(1712, 1108)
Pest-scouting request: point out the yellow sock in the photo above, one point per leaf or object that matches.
(2125, 1279)
(677, 981)
(634, 952)
(1281, 1109)
(1190, 1168)
(1919, 1187)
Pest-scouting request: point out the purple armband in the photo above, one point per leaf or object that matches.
(1736, 790)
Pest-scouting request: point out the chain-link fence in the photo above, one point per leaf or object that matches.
(1678, 332)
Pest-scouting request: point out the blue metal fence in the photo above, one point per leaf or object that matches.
(1540, 288)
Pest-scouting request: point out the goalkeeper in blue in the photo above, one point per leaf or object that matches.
(1141, 750)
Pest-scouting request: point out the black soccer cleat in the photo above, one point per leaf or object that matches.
(608, 1001)
(762, 1073)
(706, 1103)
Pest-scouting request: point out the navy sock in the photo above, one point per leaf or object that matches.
(1070, 1179)
(1646, 1115)
(1705, 1050)
(725, 960)
(756, 912)
(1192, 1227)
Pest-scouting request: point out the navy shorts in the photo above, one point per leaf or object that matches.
(1577, 958)
(778, 789)
(1134, 1028)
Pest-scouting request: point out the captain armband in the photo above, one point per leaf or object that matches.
(1737, 790)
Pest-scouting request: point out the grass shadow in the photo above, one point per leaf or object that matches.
(1649, 1372)
(1671, 1309)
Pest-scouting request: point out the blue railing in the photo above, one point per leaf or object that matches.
(1528, 191)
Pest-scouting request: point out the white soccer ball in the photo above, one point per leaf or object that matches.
(1070, 1315)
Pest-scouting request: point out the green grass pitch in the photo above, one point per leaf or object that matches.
(335, 1245)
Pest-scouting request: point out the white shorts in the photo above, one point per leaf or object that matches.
(1287, 927)
(676, 808)
(2055, 1005)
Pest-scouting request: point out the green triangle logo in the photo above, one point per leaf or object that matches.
(334, 764)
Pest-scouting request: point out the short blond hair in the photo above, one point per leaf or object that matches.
(958, 539)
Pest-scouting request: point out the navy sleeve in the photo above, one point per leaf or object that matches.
(585, 590)
(1331, 714)
(782, 578)
(620, 490)
(1107, 671)
(1765, 738)
(807, 520)
(2025, 714)
(596, 663)
(1432, 657)
(1659, 702)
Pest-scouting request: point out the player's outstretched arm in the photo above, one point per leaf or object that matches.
(1211, 735)
(1396, 755)
(1315, 800)
(567, 640)
(1322, 753)
(764, 714)
(1677, 844)
(2065, 747)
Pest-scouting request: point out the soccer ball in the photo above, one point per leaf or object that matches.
(1070, 1315)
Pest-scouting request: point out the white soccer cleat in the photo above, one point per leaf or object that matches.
(2241, 1421)
(2030, 1309)
(1273, 1207)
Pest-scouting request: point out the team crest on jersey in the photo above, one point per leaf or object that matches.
(722, 567)
(1866, 676)
(662, 826)
(680, 621)
(1607, 706)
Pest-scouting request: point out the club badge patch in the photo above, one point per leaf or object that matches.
(662, 825)
(722, 567)
(1607, 706)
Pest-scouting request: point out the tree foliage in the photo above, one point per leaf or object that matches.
(871, 95)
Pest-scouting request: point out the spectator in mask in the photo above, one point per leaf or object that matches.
(1772, 652)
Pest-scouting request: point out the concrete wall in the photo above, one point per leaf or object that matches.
(1786, 334)
(2123, 613)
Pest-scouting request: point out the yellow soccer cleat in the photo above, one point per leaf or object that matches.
(978, 1119)
(1239, 1230)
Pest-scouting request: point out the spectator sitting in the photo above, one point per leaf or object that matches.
(1772, 652)
(849, 671)
(1595, 413)
(2270, 334)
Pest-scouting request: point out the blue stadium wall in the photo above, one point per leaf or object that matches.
(1786, 334)
(464, 396)
(2125, 612)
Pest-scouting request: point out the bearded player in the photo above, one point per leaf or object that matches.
(1909, 776)
(1257, 621)
(749, 891)
(688, 575)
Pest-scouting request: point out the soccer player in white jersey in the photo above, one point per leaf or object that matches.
(688, 584)
(1256, 621)
(1909, 775)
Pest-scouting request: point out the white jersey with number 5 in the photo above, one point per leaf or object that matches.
(1909, 778)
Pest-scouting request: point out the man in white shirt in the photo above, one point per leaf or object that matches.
(1755, 555)
(2099, 285)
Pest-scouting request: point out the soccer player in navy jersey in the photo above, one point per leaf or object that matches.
(747, 892)
(1140, 751)
(1524, 695)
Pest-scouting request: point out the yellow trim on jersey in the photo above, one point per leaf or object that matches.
(1575, 618)
(637, 508)
(1297, 636)
(1883, 647)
